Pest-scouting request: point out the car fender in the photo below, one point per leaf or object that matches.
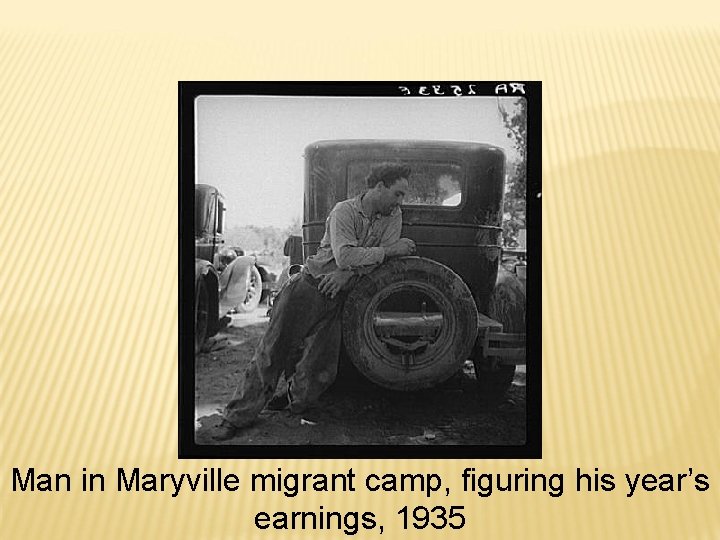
(203, 268)
(206, 271)
(234, 282)
(508, 302)
(269, 278)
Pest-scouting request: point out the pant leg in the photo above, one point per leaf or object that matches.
(248, 399)
(297, 312)
(317, 369)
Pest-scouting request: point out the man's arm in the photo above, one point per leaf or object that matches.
(392, 234)
(344, 242)
(388, 241)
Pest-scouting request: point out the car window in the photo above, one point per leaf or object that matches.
(431, 183)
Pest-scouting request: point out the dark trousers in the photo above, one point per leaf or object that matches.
(302, 318)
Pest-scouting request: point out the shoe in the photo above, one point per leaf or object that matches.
(278, 403)
(224, 431)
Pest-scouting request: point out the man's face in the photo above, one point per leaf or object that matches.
(391, 197)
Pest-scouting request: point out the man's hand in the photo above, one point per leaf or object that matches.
(333, 283)
(402, 247)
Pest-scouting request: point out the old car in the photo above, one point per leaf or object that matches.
(225, 281)
(293, 250)
(414, 321)
(263, 282)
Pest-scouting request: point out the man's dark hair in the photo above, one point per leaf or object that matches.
(387, 173)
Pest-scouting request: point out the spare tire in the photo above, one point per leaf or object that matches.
(409, 324)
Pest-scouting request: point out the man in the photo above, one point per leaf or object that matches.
(360, 233)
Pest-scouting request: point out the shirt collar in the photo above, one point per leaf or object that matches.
(357, 203)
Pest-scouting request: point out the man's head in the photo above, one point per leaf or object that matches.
(388, 183)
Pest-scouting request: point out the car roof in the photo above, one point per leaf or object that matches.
(400, 143)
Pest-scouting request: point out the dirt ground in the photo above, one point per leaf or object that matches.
(355, 411)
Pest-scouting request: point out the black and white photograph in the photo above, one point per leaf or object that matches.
(367, 269)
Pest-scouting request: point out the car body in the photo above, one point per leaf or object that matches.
(458, 223)
(224, 281)
(453, 212)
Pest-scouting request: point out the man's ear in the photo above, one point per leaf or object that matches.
(379, 186)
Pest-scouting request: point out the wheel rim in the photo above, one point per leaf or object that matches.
(254, 288)
(410, 325)
(439, 344)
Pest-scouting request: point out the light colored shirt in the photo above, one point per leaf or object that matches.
(354, 240)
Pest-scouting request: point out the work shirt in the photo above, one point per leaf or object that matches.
(354, 240)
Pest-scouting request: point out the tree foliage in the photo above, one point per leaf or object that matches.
(257, 240)
(514, 116)
(295, 227)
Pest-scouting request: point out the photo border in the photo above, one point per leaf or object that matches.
(188, 91)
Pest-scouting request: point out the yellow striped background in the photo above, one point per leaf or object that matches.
(88, 228)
